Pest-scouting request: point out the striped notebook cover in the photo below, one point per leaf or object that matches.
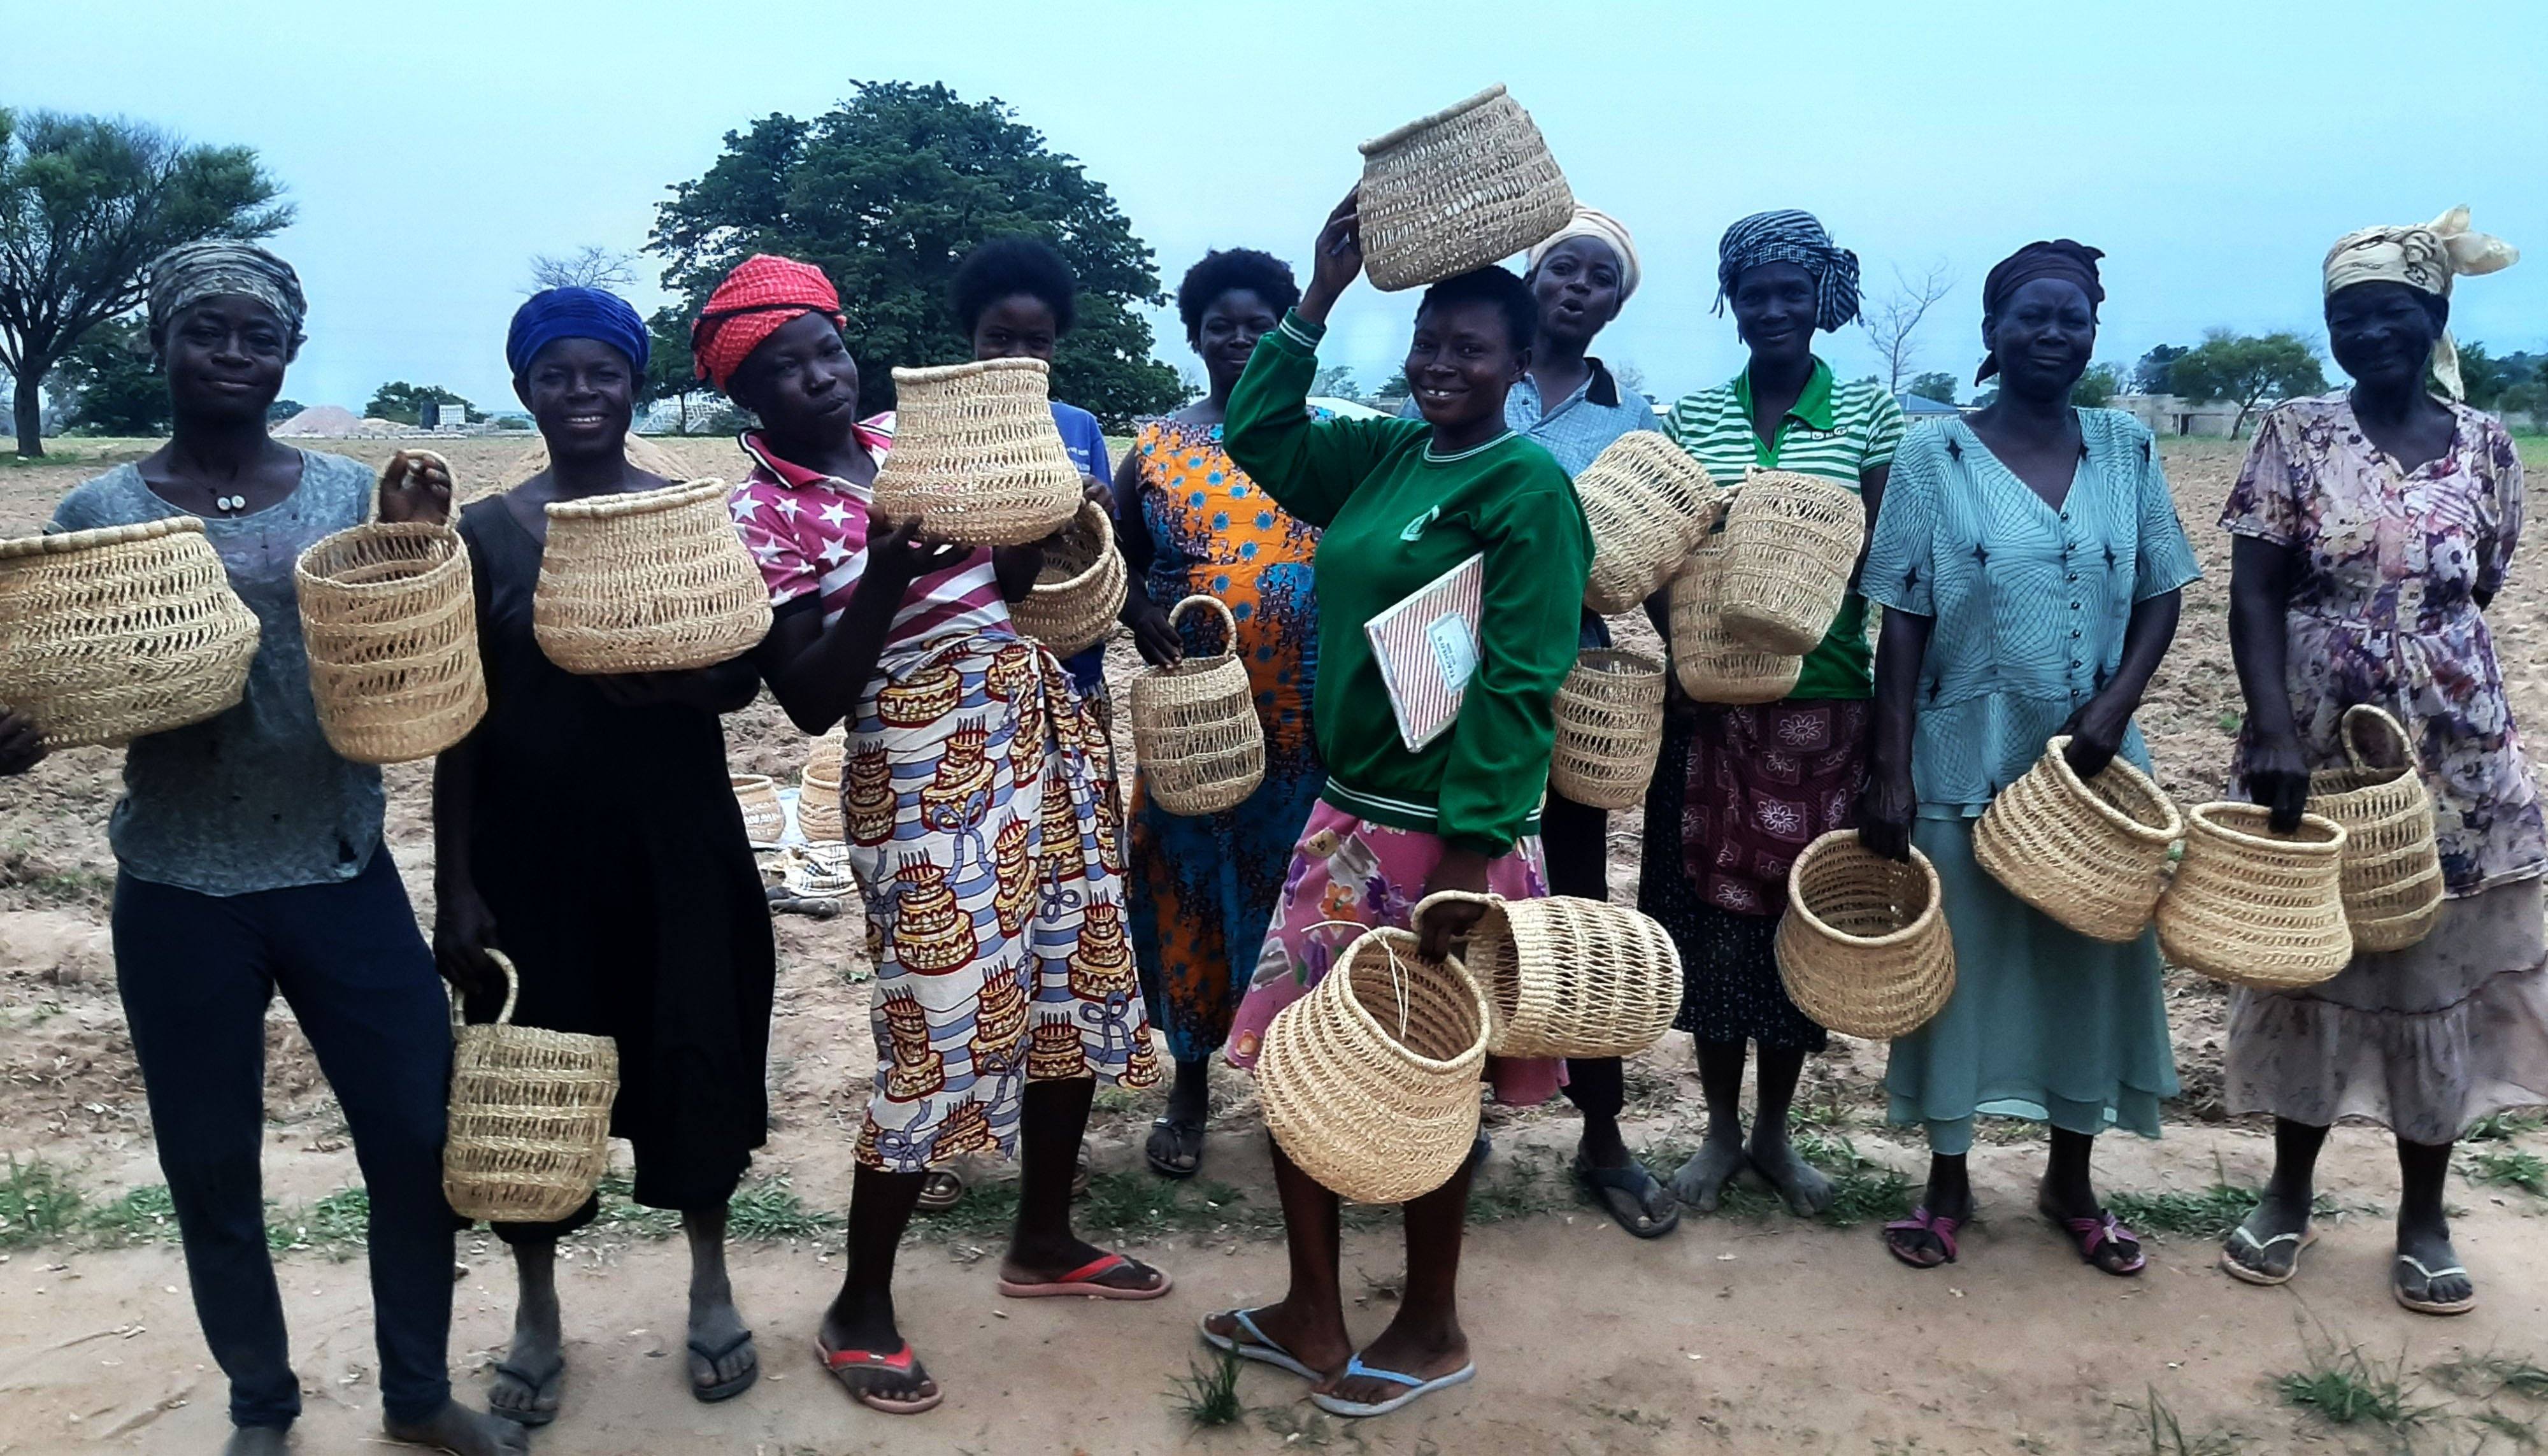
(1427, 648)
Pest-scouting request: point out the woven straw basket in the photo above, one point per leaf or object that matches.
(530, 1117)
(975, 456)
(1080, 591)
(1792, 541)
(2393, 868)
(2256, 908)
(1569, 977)
(639, 451)
(1609, 727)
(391, 620)
(764, 818)
(647, 582)
(1710, 663)
(1864, 948)
(1196, 736)
(1370, 1081)
(1457, 190)
(818, 791)
(2092, 854)
(1648, 505)
(110, 634)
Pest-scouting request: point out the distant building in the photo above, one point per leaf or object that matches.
(444, 414)
(1917, 407)
(2172, 414)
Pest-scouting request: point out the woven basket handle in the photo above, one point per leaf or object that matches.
(512, 990)
(2391, 737)
(1229, 620)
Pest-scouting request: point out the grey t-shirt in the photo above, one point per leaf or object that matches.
(253, 800)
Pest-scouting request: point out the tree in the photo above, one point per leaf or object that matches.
(2100, 383)
(283, 409)
(2484, 379)
(402, 403)
(107, 385)
(887, 192)
(590, 266)
(1891, 322)
(2244, 369)
(1934, 385)
(1334, 381)
(1395, 387)
(669, 373)
(85, 202)
(2150, 375)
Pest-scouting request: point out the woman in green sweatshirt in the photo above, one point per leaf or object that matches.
(1402, 504)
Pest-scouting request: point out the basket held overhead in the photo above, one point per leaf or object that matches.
(1609, 728)
(110, 634)
(1462, 188)
(1196, 735)
(1648, 505)
(2256, 908)
(764, 818)
(647, 582)
(1370, 1080)
(1792, 541)
(2393, 865)
(529, 1135)
(390, 618)
(1864, 947)
(975, 457)
(2092, 854)
(1710, 663)
(1569, 977)
(1080, 591)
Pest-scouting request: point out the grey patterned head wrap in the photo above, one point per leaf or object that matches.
(1791, 237)
(191, 272)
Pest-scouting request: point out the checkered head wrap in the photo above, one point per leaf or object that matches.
(1791, 237)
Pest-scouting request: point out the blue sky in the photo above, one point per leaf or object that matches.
(2213, 149)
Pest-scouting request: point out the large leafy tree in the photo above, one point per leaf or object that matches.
(2150, 375)
(2244, 369)
(110, 386)
(85, 202)
(1934, 385)
(402, 403)
(886, 192)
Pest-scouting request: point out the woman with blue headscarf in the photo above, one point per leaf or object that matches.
(588, 830)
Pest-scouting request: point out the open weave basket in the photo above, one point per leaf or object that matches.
(530, 1117)
(1864, 947)
(1792, 541)
(2256, 908)
(1080, 591)
(639, 451)
(390, 622)
(2091, 853)
(818, 791)
(1370, 1080)
(1457, 190)
(2393, 867)
(1569, 977)
(1710, 663)
(647, 582)
(975, 456)
(1648, 503)
(1196, 736)
(1609, 727)
(113, 633)
(764, 818)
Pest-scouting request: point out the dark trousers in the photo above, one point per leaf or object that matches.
(1575, 839)
(197, 972)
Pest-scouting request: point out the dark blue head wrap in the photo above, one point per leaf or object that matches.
(573, 313)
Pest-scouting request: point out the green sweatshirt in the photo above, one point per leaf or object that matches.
(1395, 519)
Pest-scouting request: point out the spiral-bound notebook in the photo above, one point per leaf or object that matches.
(1427, 649)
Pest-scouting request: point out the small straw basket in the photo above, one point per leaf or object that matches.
(1196, 736)
(1569, 977)
(1370, 1080)
(1080, 591)
(1609, 728)
(2393, 868)
(647, 582)
(2256, 908)
(1792, 541)
(764, 818)
(1457, 190)
(975, 456)
(110, 634)
(1710, 663)
(1864, 947)
(2092, 853)
(530, 1117)
(1648, 503)
(390, 621)
(818, 793)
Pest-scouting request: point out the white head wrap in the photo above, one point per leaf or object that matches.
(1595, 224)
(2424, 258)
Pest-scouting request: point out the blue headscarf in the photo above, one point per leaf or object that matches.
(573, 313)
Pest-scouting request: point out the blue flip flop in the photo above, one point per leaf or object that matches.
(1256, 1346)
(1416, 1387)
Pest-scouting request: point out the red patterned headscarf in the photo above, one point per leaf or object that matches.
(763, 294)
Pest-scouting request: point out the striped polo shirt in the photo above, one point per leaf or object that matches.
(1836, 432)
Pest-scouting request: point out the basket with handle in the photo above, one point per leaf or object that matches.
(1609, 727)
(1080, 590)
(1863, 945)
(2090, 852)
(1792, 541)
(2256, 908)
(764, 818)
(647, 582)
(1370, 1080)
(976, 457)
(1711, 665)
(110, 634)
(1196, 735)
(390, 618)
(529, 1134)
(2393, 865)
(1564, 976)
(1457, 190)
(1648, 505)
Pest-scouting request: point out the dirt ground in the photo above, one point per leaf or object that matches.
(1750, 1331)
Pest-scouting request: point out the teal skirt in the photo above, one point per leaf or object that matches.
(2045, 1023)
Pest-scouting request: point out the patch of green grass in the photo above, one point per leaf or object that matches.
(1862, 1189)
(2344, 1387)
(2527, 1171)
(2168, 1435)
(2504, 1127)
(2487, 1376)
(2205, 1213)
(770, 1210)
(2521, 1433)
(145, 1214)
(335, 1226)
(1209, 1396)
(39, 1204)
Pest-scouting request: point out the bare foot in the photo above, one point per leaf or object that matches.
(1701, 1181)
(1806, 1190)
(465, 1432)
(258, 1441)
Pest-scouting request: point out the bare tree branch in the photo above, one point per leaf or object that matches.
(1892, 320)
(590, 266)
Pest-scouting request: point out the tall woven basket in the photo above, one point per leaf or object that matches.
(1196, 736)
(1864, 948)
(2256, 908)
(818, 791)
(1457, 190)
(637, 450)
(390, 621)
(1370, 1081)
(1792, 541)
(1569, 977)
(647, 582)
(764, 818)
(1710, 663)
(110, 634)
(2393, 867)
(1609, 728)
(530, 1117)
(2091, 853)
(1648, 503)
(1076, 600)
(975, 456)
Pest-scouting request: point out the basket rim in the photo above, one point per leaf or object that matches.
(2363, 714)
(752, 780)
(1616, 659)
(1343, 965)
(1088, 511)
(63, 543)
(2211, 815)
(455, 563)
(949, 373)
(1396, 135)
(2131, 827)
(619, 503)
(1839, 841)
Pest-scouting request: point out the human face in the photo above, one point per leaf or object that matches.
(802, 380)
(2381, 333)
(1019, 327)
(1462, 363)
(2042, 335)
(1227, 335)
(225, 357)
(1577, 286)
(1774, 312)
(580, 392)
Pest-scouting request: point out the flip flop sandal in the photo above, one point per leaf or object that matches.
(1250, 1343)
(2264, 1249)
(942, 1190)
(1628, 1194)
(2088, 1236)
(1084, 1282)
(545, 1395)
(1936, 1226)
(2428, 1306)
(723, 1390)
(849, 1367)
(1418, 1388)
(1179, 1131)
